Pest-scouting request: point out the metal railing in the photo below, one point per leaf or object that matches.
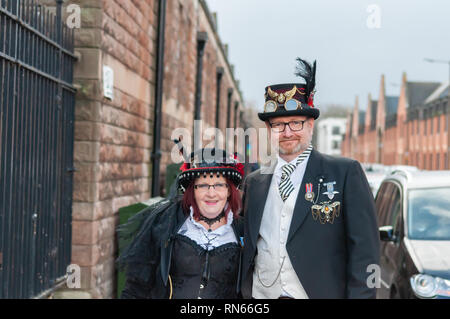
(36, 146)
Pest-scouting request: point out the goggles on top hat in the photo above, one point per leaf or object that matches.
(286, 99)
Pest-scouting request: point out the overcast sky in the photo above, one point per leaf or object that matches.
(266, 36)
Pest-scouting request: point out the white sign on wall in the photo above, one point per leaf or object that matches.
(108, 82)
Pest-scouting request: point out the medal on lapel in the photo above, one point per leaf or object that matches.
(326, 212)
(330, 190)
(309, 196)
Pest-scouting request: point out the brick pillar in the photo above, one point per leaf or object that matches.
(113, 137)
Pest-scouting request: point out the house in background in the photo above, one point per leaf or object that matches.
(329, 135)
(408, 129)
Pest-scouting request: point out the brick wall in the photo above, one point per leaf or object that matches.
(113, 138)
(185, 18)
(390, 146)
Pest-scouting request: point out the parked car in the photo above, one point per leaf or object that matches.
(376, 173)
(413, 211)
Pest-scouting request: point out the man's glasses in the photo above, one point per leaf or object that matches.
(281, 126)
(220, 187)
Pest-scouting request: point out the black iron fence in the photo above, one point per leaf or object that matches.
(36, 146)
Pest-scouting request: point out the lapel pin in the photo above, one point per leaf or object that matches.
(330, 190)
(309, 196)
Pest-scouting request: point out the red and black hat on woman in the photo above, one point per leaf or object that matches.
(211, 162)
(292, 98)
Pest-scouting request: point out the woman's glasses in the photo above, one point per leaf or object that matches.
(220, 187)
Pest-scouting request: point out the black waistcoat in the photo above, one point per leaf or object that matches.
(198, 273)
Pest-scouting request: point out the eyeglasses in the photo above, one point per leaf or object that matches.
(220, 187)
(289, 105)
(293, 125)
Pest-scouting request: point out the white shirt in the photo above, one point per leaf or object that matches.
(272, 265)
(208, 240)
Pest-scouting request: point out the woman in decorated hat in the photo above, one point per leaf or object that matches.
(189, 246)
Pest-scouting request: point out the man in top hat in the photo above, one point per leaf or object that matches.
(310, 225)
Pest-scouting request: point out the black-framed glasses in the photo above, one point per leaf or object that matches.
(220, 187)
(293, 125)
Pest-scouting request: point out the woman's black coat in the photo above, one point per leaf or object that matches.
(148, 258)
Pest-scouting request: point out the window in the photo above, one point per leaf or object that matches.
(395, 215)
(424, 164)
(425, 130)
(428, 217)
(336, 130)
(382, 201)
(438, 161)
(417, 126)
(336, 145)
(438, 129)
(389, 206)
(431, 161)
(446, 122)
(431, 125)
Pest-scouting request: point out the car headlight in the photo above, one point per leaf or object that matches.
(426, 286)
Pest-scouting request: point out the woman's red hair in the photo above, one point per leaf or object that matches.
(234, 201)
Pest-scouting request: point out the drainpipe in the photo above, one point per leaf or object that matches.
(230, 94)
(220, 72)
(236, 110)
(202, 37)
(156, 155)
(227, 138)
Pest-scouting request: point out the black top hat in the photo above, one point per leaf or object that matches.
(292, 98)
(210, 162)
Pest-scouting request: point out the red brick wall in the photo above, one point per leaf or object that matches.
(371, 145)
(390, 146)
(185, 18)
(113, 139)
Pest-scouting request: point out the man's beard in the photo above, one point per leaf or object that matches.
(299, 148)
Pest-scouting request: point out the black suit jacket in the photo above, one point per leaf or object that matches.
(330, 260)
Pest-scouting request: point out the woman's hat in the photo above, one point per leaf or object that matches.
(292, 98)
(210, 162)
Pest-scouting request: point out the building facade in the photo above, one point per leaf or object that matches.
(408, 129)
(145, 68)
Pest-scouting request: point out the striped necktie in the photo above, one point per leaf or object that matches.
(286, 187)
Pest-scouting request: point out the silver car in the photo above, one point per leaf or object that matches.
(413, 211)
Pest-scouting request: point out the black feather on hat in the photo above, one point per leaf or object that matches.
(308, 73)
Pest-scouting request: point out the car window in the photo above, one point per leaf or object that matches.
(428, 213)
(391, 207)
(394, 216)
(382, 202)
(378, 202)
